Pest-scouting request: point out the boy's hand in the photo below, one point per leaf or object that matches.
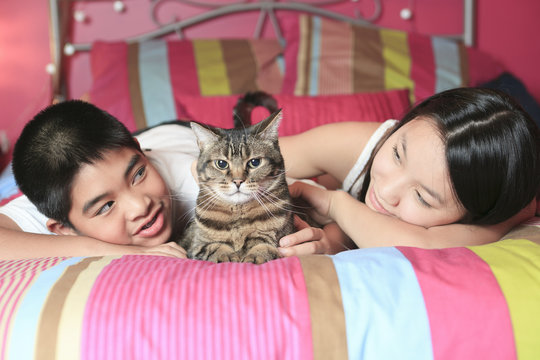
(170, 249)
(310, 240)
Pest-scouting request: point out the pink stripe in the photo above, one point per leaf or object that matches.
(110, 87)
(423, 66)
(193, 309)
(292, 33)
(467, 311)
(20, 275)
(182, 70)
(335, 76)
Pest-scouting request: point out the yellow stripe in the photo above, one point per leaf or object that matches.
(303, 55)
(211, 68)
(71, 320)
(397, 59)
(516, 266)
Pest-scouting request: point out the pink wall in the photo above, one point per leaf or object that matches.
(506, 30)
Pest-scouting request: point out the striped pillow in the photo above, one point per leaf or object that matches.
(327, 57)
(140, 83)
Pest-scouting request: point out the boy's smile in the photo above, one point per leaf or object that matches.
(121, 199)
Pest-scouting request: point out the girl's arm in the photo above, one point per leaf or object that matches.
(16, 244)
(368, 228)
(329, 149)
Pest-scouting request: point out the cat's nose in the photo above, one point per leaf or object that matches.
(238, 182)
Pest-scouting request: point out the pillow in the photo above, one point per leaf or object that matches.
(323, 56)
(301, 113)
(513, 86)
(138, 83)
(379, 303)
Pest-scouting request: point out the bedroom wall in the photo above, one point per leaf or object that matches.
(506, 30)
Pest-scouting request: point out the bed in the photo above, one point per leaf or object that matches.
(322, 65)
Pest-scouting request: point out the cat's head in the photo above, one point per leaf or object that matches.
(239, 165)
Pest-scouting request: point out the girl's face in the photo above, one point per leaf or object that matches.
(122, 199)
(409, 177)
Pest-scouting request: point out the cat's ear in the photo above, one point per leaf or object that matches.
(268, 128)
(204, 134)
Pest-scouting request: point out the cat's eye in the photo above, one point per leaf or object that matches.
(221, 164)
(253, 163)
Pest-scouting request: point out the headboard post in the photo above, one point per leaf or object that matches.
(58, 26)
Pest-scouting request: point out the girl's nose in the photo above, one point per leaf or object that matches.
(390, 193)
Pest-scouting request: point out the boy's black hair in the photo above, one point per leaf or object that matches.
(55, 144)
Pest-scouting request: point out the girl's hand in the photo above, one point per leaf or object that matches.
(310, 240)
(317, 197)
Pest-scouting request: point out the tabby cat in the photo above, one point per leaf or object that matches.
(243, 207)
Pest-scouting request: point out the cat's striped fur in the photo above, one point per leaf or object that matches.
(243, 207)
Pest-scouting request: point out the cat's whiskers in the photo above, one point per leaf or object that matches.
(256, 196)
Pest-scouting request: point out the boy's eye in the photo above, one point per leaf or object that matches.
(102, 210)
(253, 163)
(221, 164)
(139, 174)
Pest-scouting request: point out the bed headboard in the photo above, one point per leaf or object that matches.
(61, 24)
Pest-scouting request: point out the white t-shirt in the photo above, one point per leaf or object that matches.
(171, 149)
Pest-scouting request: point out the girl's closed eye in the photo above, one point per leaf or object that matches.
(422, 200)
(396, 153)
(105, 208)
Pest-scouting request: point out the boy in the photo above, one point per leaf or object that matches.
(86, 178)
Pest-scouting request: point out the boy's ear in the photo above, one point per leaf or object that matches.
(58, 228)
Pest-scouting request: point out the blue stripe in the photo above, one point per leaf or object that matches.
(26, 324)
(315, 56)
(447, 64)
(156, 88)
(384, 308)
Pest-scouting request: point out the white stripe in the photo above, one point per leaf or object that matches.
(447, 64)
(384, 308)
(156, 89)
(315, 56)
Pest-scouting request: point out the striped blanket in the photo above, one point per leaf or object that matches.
(386, 303)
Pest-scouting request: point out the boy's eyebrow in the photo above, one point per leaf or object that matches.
(129, 168)
(90, 203)
(132, 162)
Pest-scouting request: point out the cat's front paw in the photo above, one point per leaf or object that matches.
(226, 257)
(261, 256)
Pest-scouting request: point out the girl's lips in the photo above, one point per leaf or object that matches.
(376, 204)
(154, 226)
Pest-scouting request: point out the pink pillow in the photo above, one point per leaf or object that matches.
(140, 83)
(323, 56)
(301, 113)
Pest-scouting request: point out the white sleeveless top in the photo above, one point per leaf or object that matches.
(353, 182)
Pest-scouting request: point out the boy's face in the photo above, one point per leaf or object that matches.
(122, 199)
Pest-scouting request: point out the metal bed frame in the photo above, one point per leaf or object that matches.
(60, 21)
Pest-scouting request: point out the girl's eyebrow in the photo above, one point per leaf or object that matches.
(431, 192)
(129, 168)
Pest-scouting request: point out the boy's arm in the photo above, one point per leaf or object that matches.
(16, 244)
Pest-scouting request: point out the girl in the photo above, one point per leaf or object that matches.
(461, 168)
